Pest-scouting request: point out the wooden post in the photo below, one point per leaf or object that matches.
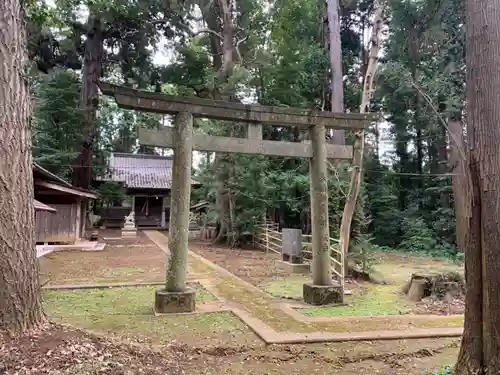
(133, 207)
(163, 214)
(267, 236)
(179, 204)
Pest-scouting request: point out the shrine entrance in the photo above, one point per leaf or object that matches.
(176, 296)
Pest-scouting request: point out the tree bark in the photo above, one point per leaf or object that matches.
(20, 298)
(480, 349)
(218, 17)
(359, 142)
(180, 204)
(89, 99)
(335, 49)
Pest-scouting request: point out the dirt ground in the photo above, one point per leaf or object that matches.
(63, 350)
(136, 342)
(254, 266)
(122, 260)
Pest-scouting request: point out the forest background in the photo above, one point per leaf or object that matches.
(272, 53)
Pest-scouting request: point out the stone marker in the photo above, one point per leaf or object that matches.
(291, 251)
(292, 245)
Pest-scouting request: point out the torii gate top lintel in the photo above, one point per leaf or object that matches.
(148, 101)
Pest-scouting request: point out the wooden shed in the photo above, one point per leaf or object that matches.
(61, 219)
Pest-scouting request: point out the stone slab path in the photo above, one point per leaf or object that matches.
(276, 322)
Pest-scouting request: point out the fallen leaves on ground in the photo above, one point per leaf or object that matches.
(61, 350)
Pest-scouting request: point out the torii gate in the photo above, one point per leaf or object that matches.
(177, 297)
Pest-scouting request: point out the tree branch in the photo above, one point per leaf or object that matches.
(207, 31)
(237, 48)
(440, 118)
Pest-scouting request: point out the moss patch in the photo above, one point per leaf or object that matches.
(286, 288)
(397, 268)
(117, 301)
(124, 271)
(261, 307)
(370, 300)
(128, 312)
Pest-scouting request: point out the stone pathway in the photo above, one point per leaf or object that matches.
(42, 250)
(276, 322)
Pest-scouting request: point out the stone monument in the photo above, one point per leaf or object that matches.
(291, 252)
(129, 229)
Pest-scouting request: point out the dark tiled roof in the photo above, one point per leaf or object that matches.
(141, 171)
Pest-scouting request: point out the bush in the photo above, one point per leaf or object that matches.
(418, 238)
(361, 253)
(445, 371)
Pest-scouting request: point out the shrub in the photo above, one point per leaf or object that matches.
(445, 371)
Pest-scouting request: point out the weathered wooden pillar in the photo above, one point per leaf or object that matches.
(321, 291)
(177, 297)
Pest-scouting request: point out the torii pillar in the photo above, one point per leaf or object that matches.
(176, 297)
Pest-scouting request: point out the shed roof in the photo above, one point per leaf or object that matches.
(141, 170)
(54, 182)
(39, 206)
(49, 176)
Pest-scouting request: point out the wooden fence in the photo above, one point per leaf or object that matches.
(269, 238)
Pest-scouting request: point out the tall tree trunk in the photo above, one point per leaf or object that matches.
(359, 142)
(480, 350)
(20, 298)
(417, 122)
(89, 99)
(335, 49)
(222, 48)
(460, 182)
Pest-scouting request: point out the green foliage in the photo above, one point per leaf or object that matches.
(448, 370)
(57, 121)
(406, 201)
(362, 253)
(112, 193)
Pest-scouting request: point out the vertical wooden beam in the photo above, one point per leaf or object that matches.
(78, 219)
(163, 215)
(179, 204)
(321, 271)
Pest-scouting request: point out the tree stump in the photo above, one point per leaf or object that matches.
(417, 290)
(438, 285)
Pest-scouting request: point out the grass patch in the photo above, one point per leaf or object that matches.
(128, 312)
(287, 288)
(372, 300)
(114, 301)
(124, 271)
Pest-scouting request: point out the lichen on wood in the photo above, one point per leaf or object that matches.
(180, 204)
(321, 271)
